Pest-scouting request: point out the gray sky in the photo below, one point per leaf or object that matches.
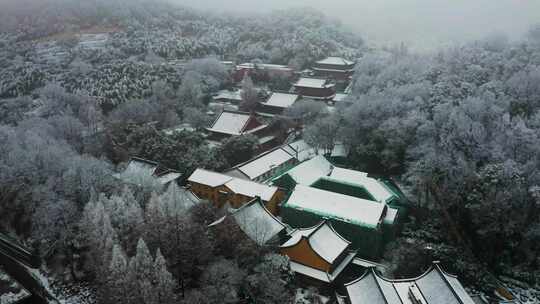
(420, 23)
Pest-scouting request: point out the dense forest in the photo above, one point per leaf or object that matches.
(459, 129)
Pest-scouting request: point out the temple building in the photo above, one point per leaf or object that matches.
(277, 103)
(261, 71)
(339, 98)
(368, 225)
(315, 88)
(265, 165)
(259, 224)
(223, 190)
(379, 190)
(319, 173)
(301, 150)
(435, 286)
(305, 173)
(228, 96)
(318, 254)
(142, 171)
(363, 209)
(235, 123)
(277, 161)
(334, 68)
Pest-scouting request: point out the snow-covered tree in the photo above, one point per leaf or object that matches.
(99, 236)
(117, 287)
(274, 268)
(141, 272)
(250, 95)
(322, 133)
(221, 282)
(126, 217)
(164, 283)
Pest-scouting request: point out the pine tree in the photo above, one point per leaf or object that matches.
(146, 291)
(117, 288)
(141, 270)
(164, 283)
(154, 221)
(126, 217)
(249, 95)
(98, 234)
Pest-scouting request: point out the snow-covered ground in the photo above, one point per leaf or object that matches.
(525, 293)
(305, 296)
(10, 297)
(74, 293)
(10, 291)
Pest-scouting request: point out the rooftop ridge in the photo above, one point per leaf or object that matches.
(257, 157)
(435, 266)
(431, 268)
(246, 123)
(167, 171)
(341, 60)
(340, 181)
(302, 229)
(141, 159)
(258, 200)
(366, 273)
(375, 276)
(202, 169)
(442, 274)
(329, 223)
(396, 291)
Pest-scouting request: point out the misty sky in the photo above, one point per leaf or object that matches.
(420, 23)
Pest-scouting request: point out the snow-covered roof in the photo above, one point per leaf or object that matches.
(231, 95)
(257, 222)
(347, 175)
(251, 189)
(309, 171)
(367, 263)
(391, 215)
(323, 239)
(237, 185)
(301, 150)
(281, 100)
(339, 150)
(268, 66)
(338, 206)
(340, 97)
(264, 163)
(310, 272)
(348, 89)
(319, 274)
(311, 83)
(168, 177)
(297, 234)
(335, 61)
(141, 166)
(179, 128)
(375, 187)
(266, 139)
(435, 286)
(256, 129)
(141, 171)
(216, 107)
(230, 122)
(209, 178)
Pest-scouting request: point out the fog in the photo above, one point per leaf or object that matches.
(420, 24)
